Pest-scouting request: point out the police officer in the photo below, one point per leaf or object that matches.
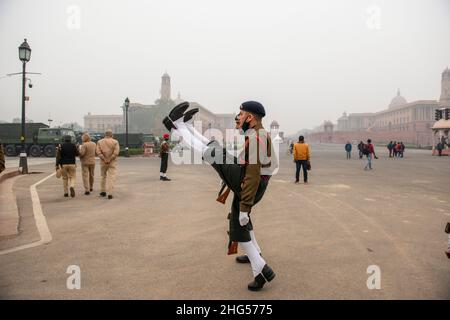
(247, 177)
(164, 155)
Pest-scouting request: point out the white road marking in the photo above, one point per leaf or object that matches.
(41, 222)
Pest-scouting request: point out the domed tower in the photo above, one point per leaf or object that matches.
(165, 87)
(444, 100)
(397, 101)
(274, 126)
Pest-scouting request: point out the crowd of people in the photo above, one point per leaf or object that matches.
(107, 149)
(396, 149)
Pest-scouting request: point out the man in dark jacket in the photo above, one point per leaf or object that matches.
(348, 149)
(390, 147)
(65, 158)
(360, 149)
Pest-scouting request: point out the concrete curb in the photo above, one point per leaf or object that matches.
(9, 213)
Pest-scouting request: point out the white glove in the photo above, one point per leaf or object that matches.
(243, 218)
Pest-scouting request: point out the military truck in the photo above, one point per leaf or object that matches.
(40, 139)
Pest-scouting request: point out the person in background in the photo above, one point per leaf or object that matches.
(66, 154)
(348, 149)
(108, 150)
(360, 149)
(87, 158)
(390, 147)
(370, 155)
(439, 148)
(2, 158)
(164, 155)
(301, 158)
(402, 149)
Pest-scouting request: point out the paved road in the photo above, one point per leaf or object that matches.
(167, 240)
(13, 162)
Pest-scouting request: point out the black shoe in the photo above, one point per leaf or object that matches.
(72, 192)
(168, 124)
(178, 111)
(87, 193)
(102, 194)
(91, 190)
(175, 114)
(257, 284)
(268, 273)
(166, 179)
(242, 259)
(66, 195)
(188, 115)
(110, 196)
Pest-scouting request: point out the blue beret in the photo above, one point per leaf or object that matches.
(253, 107)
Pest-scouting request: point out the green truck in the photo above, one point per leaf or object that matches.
(135, 140)
(40, 139)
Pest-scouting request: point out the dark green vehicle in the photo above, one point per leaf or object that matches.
(39, 138)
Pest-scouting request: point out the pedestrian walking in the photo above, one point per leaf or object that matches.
(87, 158)
(108, 150)
(66, 154)
(390, 147)
(360, 149)
(369, 151)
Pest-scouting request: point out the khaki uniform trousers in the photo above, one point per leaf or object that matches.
(108, 173)
(68, 176)
(88, 176)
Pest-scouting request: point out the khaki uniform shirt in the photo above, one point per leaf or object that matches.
(108, 149)
(87, 153)
(254, 162)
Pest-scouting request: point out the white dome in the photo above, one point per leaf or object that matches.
(398, 100)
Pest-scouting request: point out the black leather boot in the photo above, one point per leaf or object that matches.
(257, 284)
(266, 274)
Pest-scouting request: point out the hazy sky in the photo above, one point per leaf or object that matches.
(306, 61)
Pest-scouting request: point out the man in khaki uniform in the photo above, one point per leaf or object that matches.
(2, 158)
(87, 157)
(108, 151)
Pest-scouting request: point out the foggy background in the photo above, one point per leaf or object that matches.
(306, 61)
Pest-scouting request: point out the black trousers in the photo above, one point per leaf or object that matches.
(164, 161)
(301, 164)
(232, 175)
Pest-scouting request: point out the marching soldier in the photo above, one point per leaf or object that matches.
(164, 155)
(108, 150)
(247, 177)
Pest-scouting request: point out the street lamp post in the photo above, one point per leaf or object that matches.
(127, 104)
(24, 56)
